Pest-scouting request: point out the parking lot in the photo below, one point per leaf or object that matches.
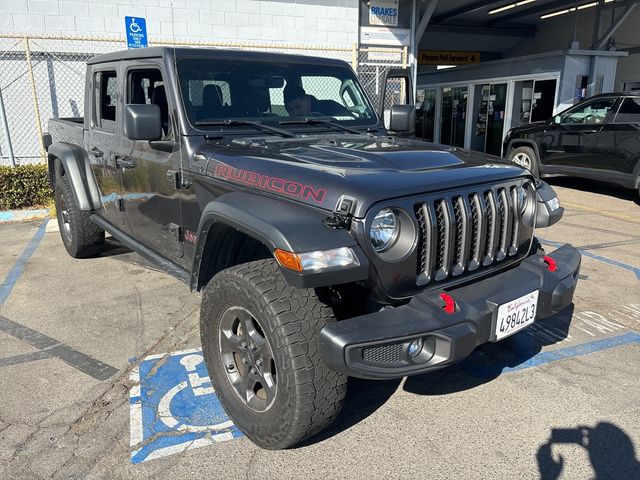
(85, 345)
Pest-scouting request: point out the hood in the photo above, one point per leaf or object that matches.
(319, 170)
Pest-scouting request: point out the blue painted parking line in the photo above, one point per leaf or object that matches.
(173, 407)
(586, 253)
(542, 358)
(16, 271)
(7, 216)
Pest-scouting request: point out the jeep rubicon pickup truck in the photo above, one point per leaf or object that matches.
(324, 246)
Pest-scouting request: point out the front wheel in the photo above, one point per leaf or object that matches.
(525, 157)
(260, 339)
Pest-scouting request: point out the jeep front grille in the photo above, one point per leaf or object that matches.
(462, 233)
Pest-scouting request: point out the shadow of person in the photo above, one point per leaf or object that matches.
(490, 360)
(363, 398)
(611, 452)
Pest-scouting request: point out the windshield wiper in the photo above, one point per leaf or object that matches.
(319, 121)
(256, 125)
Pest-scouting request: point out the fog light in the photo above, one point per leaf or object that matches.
(415, 347)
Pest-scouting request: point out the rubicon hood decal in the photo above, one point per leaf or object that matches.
(273, 184)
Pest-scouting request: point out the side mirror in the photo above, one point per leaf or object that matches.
(402, 119)
(142, 122)
(557, 119)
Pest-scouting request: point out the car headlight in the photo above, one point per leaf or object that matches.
(521, 198)
(384, 230)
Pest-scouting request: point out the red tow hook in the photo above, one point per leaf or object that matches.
(449, 303)
(551, 263)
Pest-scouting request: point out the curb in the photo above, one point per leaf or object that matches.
(13, 216)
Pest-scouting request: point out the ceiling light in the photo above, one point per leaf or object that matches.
(572, 9)
(509, 6)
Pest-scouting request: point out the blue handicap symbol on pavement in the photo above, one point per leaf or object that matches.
(174, 407)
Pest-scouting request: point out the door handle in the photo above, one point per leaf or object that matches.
(124, 162)
(96, 152)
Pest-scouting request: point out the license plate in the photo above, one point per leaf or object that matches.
(516, 315)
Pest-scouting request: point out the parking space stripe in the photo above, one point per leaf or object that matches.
(25, 358)
(16, 271)
(83, 362)
(610, 261)
(489, 370)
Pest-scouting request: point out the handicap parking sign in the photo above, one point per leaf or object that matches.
(174, 407)
(136, 31)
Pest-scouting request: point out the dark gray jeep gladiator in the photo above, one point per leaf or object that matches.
(324, 244)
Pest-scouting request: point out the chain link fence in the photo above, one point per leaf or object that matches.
(43, 77)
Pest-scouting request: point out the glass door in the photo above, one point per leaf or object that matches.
(425, 113)
(454, 112)
(495, 118)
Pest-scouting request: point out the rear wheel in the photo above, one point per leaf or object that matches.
(260, 339)
(80, 236)
(525, 157)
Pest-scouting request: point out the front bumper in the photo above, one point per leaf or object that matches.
(375, 346)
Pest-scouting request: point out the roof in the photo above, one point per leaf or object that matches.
(218, 53)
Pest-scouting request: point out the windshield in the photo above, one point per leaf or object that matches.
(215, 91)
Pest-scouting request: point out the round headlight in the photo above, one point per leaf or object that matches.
(384, 230)
(521, 195)
(525, 196)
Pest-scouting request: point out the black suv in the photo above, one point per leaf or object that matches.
(598, 138)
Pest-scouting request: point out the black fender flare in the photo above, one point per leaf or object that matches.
(279, 224)
(527, 142)
(78, 169)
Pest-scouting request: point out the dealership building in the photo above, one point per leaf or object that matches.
(478, 67)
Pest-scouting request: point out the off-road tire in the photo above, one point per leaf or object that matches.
(80, 236)
(530, 162)
(309, 395)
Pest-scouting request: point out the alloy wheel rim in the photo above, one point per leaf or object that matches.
(523, 160)
(248, 359)
(64, 215)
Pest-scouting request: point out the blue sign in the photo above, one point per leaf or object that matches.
(136, 28)
(174, 407)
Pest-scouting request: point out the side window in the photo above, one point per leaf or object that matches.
(105, 98)
(591, 112)
(146, 86)
(629, 111)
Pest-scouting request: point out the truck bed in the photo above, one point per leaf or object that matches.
(68, 130)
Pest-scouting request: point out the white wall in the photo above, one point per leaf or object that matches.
(330, 22)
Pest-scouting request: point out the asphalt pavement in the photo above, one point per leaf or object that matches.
(101, 377)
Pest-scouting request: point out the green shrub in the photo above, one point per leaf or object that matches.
(24, 186)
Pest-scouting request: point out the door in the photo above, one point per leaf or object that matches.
(496, 107)
(454, 114)
(544, 95)
(150, 170)
(104, 137)
(425, 113)
(571, 140)
(620, 139)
